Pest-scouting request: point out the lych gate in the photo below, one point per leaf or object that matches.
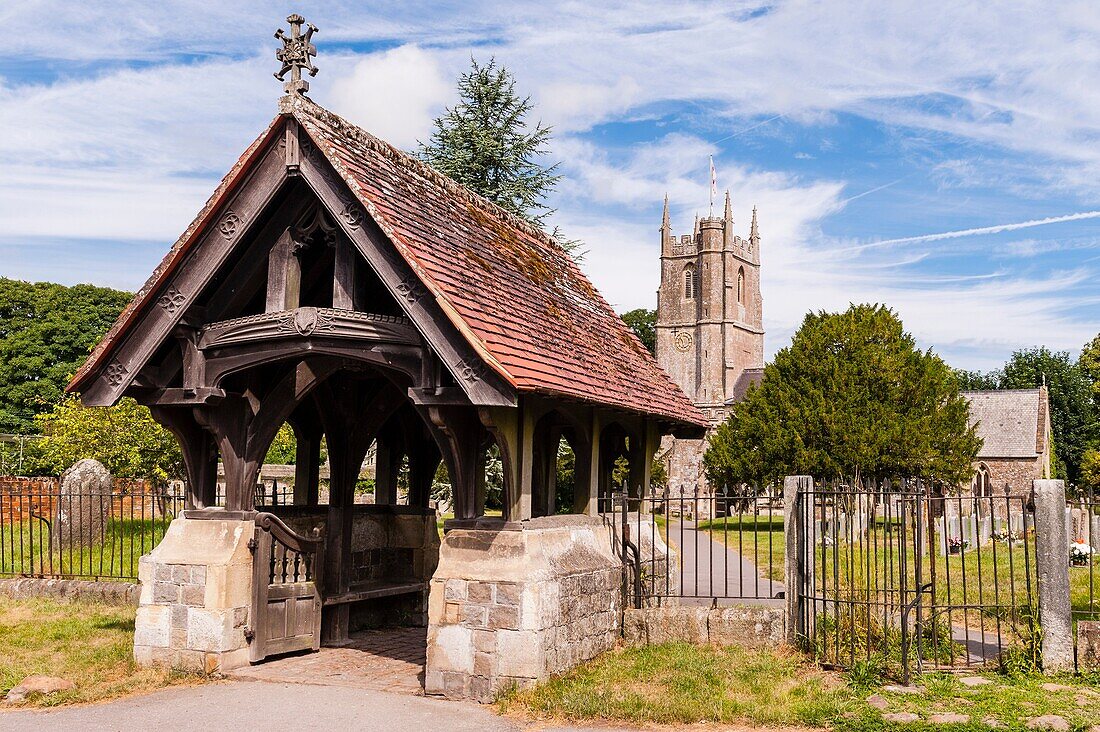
(337, 285)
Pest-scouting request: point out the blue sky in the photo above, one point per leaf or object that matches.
(941, 158)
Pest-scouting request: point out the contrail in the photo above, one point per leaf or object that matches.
(748, 129)
(982, 230)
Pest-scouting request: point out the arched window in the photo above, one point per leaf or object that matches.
(982, 489)
(689, 283)
(741, 285)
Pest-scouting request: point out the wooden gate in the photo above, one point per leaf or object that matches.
(286, 589)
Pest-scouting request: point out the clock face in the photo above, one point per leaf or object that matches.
(682, 340)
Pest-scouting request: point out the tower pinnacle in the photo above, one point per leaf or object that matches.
(665, 225)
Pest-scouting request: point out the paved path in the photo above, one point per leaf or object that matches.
(265, 707)
(378, 660)
(707, 569)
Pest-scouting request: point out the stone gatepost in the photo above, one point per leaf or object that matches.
(196, 595)
(511, 607)
(796, 581)
(1052, 563)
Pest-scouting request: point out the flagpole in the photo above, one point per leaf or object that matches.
(713, 187)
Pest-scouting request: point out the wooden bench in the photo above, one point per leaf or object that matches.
(373, 590)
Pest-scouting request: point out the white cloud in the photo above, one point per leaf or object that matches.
(395, 94)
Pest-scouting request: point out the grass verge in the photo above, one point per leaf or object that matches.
(680, 683)
(685, 684)
(90, 644)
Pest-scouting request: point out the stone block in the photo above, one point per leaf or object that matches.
(179, 616)
(433, 681)
(450, 649)
(180, 573)
(198, 574)
(504, 616)
(485, 664)
(188, 660)
(152, 625)
(519, 653)
(480, 592)
(166, 593)
(678, 625)
(240, 617)
(475, 616)
(480, 689)
(194, 595)
(455, 589)
(485, 641)
(228, 586)
(455, 685)
(508, 593)
(212, 630)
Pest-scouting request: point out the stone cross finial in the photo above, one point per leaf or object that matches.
(295, 54)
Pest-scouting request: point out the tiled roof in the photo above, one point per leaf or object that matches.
(519, 299)
(1008, 422)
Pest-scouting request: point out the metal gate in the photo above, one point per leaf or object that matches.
(286, 592)
(910, 576)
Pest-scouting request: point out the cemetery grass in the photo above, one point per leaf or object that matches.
(90, 644)
(685, 684)
(25, 550)
(759, 539)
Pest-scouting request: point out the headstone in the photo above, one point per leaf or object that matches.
(83, 506)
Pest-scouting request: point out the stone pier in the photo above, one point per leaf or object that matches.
(511, 607)
(196, 593)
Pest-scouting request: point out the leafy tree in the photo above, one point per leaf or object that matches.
(851, 396)
(1090, 470)
(485, 143)
(125, 438)
(1090, 364)
(977, 380)
(644, 324)
(46, 331)
(1073, 411)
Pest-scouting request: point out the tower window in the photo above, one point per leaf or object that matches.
(741, 285)
(689, 283)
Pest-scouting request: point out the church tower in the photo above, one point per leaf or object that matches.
(710, 335)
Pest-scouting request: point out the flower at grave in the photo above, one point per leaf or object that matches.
(956, 544)
(1079, 553)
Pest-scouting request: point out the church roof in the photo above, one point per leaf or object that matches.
(1011, 422)
(746, 379)
(518, 299)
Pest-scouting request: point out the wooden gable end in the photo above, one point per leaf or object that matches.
(231, 292)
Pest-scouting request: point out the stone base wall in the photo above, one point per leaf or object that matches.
(121, 593)
(196, 595)
(511, 608)
(746, 626)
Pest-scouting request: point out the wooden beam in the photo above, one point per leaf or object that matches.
(227, 227)
(482, 385)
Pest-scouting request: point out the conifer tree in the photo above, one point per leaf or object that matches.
(486, 143)
(851, 397)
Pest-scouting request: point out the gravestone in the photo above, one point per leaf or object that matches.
(83, 506)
